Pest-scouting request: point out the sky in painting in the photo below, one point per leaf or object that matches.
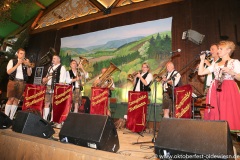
(117, 33)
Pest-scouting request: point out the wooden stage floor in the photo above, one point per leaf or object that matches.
(14, 146)
(130, 150)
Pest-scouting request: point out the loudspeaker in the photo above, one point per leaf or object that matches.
(5, 121)
(32, 124)
(93, 131)
(193, 139)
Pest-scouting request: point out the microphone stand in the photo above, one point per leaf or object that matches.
(173, 86)
(51, 94)
(154, 116)
(173, 95)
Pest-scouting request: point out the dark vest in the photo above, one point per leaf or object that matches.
(72, 76)
(56, 75)
(142, 86)
(174, 73)
(12, 76)
(169, 89)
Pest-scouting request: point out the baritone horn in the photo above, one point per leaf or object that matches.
(83, 61)
(105, 80)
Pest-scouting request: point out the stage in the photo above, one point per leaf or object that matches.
(15, 146)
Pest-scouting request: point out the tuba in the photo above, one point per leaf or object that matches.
(106, 81)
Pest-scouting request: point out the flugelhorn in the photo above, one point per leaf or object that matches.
(28, 63)
(130, 77)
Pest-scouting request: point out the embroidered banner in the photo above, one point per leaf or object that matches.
(99, 101)
(137, 108)
(34, 96)
(183, 101)
(62, 101)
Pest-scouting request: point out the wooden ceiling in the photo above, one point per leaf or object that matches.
(56, 14)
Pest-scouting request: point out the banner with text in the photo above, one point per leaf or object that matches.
(62, 101)
(99, 101)
(137, 108)
(183, 101)
(34, 96)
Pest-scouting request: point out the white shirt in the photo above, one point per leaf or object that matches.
(149, 78)
(209, 76)
(19, 74)
(176, 80)
(62, 77)
(69, 79)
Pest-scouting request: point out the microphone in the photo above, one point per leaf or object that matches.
(207, 53)
(178, 50)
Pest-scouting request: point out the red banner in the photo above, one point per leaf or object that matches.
(183, 101)
(62, 101)
(34, 96)
(99, 101)
(137, 108)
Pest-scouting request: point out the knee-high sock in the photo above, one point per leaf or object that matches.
(7, 109)
(45, 113)
(13, 111)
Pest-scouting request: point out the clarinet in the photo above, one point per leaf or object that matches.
(219, 84)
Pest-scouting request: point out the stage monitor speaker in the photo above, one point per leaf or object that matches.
(5, 121)
(93, 131)
(193, 139)
(32, 124)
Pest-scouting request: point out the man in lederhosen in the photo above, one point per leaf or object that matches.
(18, 75)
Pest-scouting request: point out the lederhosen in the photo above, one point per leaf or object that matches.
(76, 90)
(167, 95)
(16, 86)
(142, 86)
(55, 79)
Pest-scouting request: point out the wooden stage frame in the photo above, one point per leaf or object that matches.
(18, 146)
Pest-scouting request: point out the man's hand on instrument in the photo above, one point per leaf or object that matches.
(44, 80)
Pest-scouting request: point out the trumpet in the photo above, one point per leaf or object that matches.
(28, 63)
(130, 77)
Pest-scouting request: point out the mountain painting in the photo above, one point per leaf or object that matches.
(127, 47)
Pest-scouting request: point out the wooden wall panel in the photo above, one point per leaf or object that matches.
(199, 15)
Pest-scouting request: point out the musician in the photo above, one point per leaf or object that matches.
(215, 59)
(97, 81)
(143, 79)
(56, 74)
(18, 76)
(167, 82)
(74, 77)
(223, 93)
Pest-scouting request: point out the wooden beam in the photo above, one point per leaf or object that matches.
(30, 22)
(97, 4)
(16, 22)
(37, 19)
(40, 4)
(100, 15)
(115, 3)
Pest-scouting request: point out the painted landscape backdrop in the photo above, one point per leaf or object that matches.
(127, 47)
